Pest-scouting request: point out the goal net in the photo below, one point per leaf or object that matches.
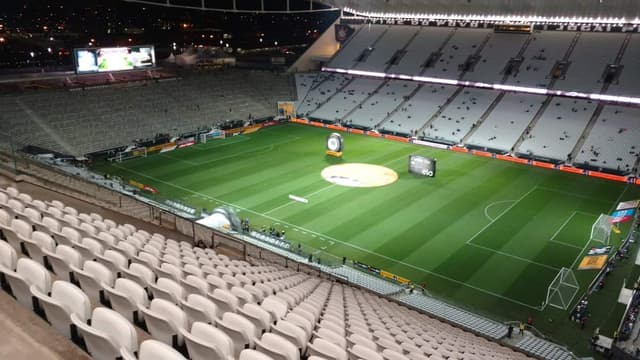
(601, 229)
(129, 154)
(562, 290)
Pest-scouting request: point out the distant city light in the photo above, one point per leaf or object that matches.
(2, 39)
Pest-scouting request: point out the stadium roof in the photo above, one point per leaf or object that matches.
(625, 9)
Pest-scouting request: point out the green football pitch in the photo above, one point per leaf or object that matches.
(487, 234)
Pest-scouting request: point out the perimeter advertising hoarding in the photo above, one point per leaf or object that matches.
(96, 60)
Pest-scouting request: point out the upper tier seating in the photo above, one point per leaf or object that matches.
(393, 40)
(300, 314)
(588, 61)
(361, 41)
(463, 43)
(426, 42)
(614, 140)
(627, 83)
(495, 56)
(542, 53)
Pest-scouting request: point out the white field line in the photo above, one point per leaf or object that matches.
(266, 147)
(515, 257)
(501, 214)
(207, 147)
(327, 187)
(581, 253)
(178, 159)
(486, 209)
(553, 238)
(569, 193)
(296, 227)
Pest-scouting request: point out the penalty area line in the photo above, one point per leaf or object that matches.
(553, 238)
(299, 228)
(581, 253)
(501, 214)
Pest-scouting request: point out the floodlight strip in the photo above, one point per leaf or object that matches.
(493, 18)
(500, 87)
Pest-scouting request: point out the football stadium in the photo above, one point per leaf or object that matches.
(383, 180)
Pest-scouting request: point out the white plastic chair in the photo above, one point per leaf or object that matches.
(107, 334)
(200, 308)
(277, 347)
(38, 244)
(28, 273)
(65, 299)
(164, 321)
(205, 342)
(167, 289)
(61, 260)
(92, 277)
(156, 350)
(126, 297)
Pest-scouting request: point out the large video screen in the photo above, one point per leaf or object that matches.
(94, 60)
(422, 165)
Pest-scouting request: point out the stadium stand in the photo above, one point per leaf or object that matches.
(358, 49)
(379, 105)
(614, 141)
(496, 54)
(416, 54)
(625, 84)
(393, 40)
(461, 115)
(461, 47)
(539, 58)
(319, 91)
(56, 119)
(298, 312)
(507, 122)
(559, 128)
(336, 107)
(412, 115)
(588, 60)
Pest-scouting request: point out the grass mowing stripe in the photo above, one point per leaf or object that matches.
(331, 238)
(514, 256)
(560, 229)
(331, 186)
(615, 203)
(502, 213)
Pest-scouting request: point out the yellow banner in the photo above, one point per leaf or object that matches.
(252, 129)
(388, 275)
(593, 262)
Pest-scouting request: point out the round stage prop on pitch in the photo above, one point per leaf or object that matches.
(335, 144)
(359, 175)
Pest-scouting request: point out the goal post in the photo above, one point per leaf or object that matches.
(601, 229)
(129, 154)
(562, 289)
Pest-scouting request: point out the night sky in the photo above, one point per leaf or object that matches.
(41, 34)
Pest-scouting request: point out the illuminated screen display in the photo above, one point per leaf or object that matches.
(422, 165)
(94, 60)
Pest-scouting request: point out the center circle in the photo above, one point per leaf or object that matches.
(359, 175)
